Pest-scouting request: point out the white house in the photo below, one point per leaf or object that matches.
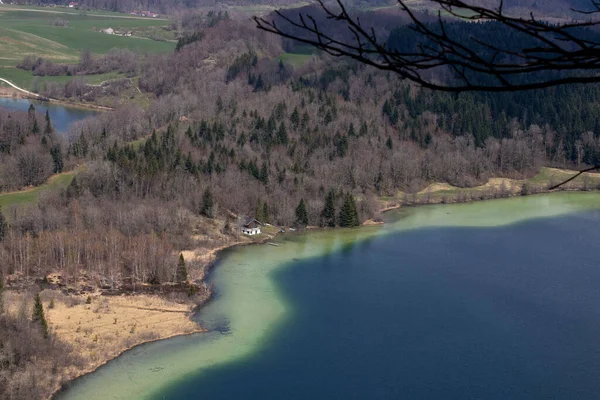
(251, 227)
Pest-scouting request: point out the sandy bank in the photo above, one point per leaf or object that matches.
(109, 326)
(106, 327)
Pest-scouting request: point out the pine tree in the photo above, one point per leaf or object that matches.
(295, 118)
(3, 226)
(36, 128)
(351, 131)
(181, 273)
(259, 84)
(389, 143)
(363, 129)
(282, 135)
(301, 214)
(259, 211)
(38, 314)
(48, 129)
(264, 174)
(207, 204)
(328, 213)
(57, 158)
(348, 214)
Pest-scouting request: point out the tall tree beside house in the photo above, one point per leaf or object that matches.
(301, 214)
(328, 213)
(38, 314)
(207, 204)
(265, 213)
(3, 226)
(181, 273)
(348, 214)
(259, 211)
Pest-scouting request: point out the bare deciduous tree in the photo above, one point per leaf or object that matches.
(556, 47)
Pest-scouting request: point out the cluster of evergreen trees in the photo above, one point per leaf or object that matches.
(347, 217)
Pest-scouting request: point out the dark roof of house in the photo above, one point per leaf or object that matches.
(249, 222)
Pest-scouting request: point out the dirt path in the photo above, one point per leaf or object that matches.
(9, 83)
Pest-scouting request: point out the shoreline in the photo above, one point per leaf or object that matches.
(212, 257)
(65, 386)
(11, 93)
(494, 188)
(180, 325)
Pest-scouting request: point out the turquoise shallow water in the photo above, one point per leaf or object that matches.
(61, 116)
(488, 300)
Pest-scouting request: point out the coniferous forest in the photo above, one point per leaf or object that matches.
(234, 129)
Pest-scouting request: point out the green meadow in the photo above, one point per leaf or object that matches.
(30, 195)
(30, 31)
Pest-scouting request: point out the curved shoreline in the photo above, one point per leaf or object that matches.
(65, 386)
(218, 258)
(36, 97)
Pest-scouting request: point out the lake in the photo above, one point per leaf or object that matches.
(490, 300)
(61, 116)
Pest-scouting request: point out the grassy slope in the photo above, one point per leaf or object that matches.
(545, 178)
(32, 32)
(29, 195)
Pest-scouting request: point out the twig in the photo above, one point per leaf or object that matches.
(575, 177)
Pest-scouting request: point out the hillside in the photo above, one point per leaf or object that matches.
(234, 123)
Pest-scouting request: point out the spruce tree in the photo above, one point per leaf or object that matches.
(57, 158)
(351, 131)
(389, 143)
(259, 212)
(264, 174)
(36, 128)
(282, 136)
(38, 314)
(3, 226)
(181, 273)
(48, 129)
(295, 118)
(301, 214)
(207, 204)
(328, 213)
(348, 214)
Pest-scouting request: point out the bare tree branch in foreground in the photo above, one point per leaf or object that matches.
(575, 177)
(558, 49)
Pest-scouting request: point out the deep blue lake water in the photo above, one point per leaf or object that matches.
(489, 300)
(61, 116)
(510, 312)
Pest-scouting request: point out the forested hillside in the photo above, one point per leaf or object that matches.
(242, 124)
(259, 136)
